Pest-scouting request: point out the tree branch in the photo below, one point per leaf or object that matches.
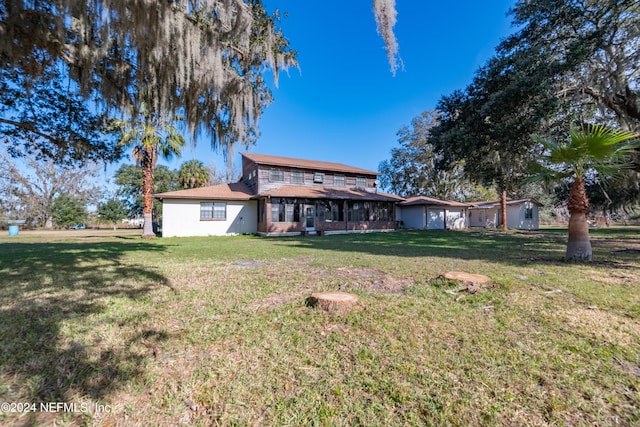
(31, 128)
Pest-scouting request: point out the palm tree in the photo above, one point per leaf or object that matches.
(150, 138)
(193, 174)
(590, 149)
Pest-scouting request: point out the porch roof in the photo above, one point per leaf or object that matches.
(431, 201)
(300, 192)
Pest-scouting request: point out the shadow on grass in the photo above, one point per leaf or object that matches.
(48, 291)
(511, 248)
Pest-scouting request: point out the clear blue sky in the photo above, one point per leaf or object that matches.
(344, 104)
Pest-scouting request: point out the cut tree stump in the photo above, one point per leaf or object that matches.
(473, 282)
(332, 302)
(466, 277)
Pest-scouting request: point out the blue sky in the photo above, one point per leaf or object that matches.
(344, 104)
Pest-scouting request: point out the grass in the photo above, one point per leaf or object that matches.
(214, 331)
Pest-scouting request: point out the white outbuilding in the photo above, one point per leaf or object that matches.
(428, 213)
(522, 214)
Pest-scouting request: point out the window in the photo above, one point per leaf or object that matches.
(528, 213)
(285, 210)
(292, 212)
(297, 177)
(277, 212)
(359, 211)
(220, 210)
(276, 175)
(338, 180)
(262, 209)
(318, 177)
(384, 211)
(213, 211)
(337, 212)
(361, 182)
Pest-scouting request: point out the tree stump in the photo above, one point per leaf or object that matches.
(332, 302)
(467, 277)
(473, 282)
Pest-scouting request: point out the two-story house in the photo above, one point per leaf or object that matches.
(282, 196)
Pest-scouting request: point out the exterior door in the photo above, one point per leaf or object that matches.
(310, 218)
(435, 219)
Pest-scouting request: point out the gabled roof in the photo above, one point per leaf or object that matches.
(496, 203)
(300, 192)
(237, 191)
(263, 159)
(424, 200)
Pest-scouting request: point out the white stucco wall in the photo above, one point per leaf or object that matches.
(181, 217)
(516, 217)
(413, 217)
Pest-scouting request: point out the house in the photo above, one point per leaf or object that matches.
(282, 196)
(522, 214)
(423, 212)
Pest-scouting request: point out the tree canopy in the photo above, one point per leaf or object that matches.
(29, 188)
(193, 174)
(202, 60)
(570, 62)
(413, 168)
(128, 179)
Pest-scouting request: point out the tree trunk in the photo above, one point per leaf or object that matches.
(503, 209)
(147, 188)
(578, 245)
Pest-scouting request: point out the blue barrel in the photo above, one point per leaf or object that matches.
(13, 230)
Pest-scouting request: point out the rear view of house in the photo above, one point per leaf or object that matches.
(282, 196)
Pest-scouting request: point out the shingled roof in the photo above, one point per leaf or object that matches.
(329, 193)
(496, 203)
(263, 159)
(237, 191)
(431, 201)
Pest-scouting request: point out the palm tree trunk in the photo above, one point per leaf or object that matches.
(578, 245)
(147, 188)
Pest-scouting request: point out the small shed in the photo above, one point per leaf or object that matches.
(428, 213)
(522, 214)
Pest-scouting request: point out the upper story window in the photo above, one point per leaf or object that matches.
(318, 177)
(276, 175)
(361, 182)
(338, 180)
(528, 213)
(297, 177)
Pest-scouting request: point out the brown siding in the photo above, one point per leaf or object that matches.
(264, 183)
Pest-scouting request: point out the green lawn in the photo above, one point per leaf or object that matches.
(204, 331)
